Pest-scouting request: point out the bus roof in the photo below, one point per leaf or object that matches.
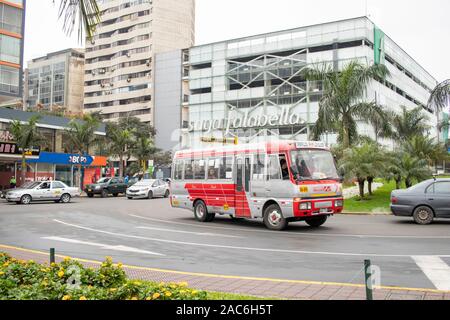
(266, 147)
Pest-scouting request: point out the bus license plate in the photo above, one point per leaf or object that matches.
(323, 210)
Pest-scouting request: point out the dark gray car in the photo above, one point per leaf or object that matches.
(425, 201)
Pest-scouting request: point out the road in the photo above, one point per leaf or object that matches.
(152, 234)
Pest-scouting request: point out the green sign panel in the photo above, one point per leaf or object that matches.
(378, 48)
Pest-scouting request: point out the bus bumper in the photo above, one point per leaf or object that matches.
(314, 207)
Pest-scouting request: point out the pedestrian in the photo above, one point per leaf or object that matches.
(127, 178)
(12, 182)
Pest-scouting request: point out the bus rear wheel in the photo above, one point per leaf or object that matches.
(201, 212)
(273, 218)
(316, 221)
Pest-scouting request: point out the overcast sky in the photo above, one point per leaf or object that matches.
(420, 27)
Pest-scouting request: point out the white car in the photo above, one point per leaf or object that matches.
(42, 191)
(148, 188)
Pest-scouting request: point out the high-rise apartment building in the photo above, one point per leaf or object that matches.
(12, 27)
(56, 82)
(119, 59)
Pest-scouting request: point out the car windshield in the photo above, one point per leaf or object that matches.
(103, 180)
(32, 185)
(313, 165)
(144, 183)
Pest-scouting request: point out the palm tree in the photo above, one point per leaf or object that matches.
(426, 148)
(84, 13)
(342, 102)
(143, 150)
(362, 162)
(394, 170)
(26, 136)
(440, 97)
(413, 168)
(81, 136)
(409, 123)
(120, 143)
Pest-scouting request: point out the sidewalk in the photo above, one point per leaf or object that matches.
(261, 287)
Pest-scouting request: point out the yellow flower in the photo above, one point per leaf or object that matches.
(156, 295)
(66, 259)
(173, 286)
(194, 292)
(6, 264)
(53, 264)
(43, 270)
(134, 298)
(67, 297)
(44, 283)
(108, 259)
(113, 289)
(61, 274)
(30, 261)
(148, 298)
(1, 273)
(119, 265)
(83, 298)
(168, 294)
(183, 284)
(137, 283)
(161, 284)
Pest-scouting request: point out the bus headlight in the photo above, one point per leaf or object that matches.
(339, 203)
(305, 206)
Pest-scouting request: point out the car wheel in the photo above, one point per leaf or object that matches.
(201, 212)
(90, 195)
(167, 194)
(150, 195)
(104, 193)
(316, 221)
(115, 195)
(273, 218)
(26, 199)
(130, 198)
(423, 215)
(65, 198)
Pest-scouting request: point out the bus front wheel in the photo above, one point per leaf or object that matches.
(273, 218)
(201, 212)
(316, 221)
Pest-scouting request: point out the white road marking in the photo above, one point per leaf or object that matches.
(435, 269)
(235, 247)
(290, 233)
(189, 232)
(103, 246)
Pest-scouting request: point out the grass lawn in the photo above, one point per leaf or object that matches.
(378, 202)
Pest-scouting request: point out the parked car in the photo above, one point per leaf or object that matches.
(42, 191)
(106, 186)
(149, 189)
(425, 201)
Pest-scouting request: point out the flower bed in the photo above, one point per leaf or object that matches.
(70, 280)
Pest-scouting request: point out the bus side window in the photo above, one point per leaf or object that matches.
(273, 168)
(259, 162)
(188, 170)
(178, 170)
(213, 168)
(199, 169)
(226, 168)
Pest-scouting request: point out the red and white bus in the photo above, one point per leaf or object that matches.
(278, 181)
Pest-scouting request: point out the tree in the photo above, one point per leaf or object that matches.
(81, 137)
(409, 123)
(120, 141)
(426, 148)
(84, 13)
(143, 150)
(440, 97)
(362, 162)
(413, 168)
(342, 102)
(26, 136)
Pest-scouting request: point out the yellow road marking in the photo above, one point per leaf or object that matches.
(208, 275)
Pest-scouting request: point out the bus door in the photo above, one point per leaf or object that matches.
(242, 183)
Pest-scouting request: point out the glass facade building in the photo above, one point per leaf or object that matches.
(254, 88)
(12, 22)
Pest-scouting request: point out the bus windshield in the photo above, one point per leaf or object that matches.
(313, 165)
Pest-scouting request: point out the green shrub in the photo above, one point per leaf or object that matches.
(70, 280)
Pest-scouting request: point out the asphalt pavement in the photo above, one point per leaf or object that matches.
(150, 233)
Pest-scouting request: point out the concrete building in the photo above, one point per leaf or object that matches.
(254, 88)
(12, 31)
(119, 67)
(56, 82)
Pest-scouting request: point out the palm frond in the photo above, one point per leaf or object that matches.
(83, 14)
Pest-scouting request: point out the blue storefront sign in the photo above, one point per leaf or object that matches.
(448, 150)
(63, 159)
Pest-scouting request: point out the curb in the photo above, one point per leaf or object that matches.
(367, 213)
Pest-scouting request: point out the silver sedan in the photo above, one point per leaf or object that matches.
(42, 191)
(148, 189)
